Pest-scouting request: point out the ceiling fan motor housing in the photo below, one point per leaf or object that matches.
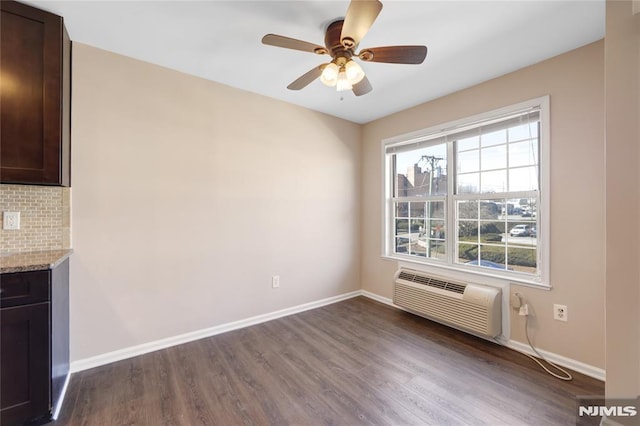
(338, 48)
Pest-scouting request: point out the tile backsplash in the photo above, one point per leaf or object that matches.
(45, 218)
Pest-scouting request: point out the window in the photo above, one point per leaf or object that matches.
(472, 194)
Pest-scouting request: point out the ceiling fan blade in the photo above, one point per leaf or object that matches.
(292, 43)
(305, 79)
(363, 87)
(360, 16)
(395, 54)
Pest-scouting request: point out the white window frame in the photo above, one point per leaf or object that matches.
(543, 209)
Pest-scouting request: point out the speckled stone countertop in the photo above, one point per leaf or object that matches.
(32, 261)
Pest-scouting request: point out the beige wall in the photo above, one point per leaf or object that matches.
(189, 195)
(622, 198)
(574, 82)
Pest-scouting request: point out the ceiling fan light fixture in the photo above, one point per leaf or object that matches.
(343, 83)
(354, 72)
(329, 76)
(341, 40)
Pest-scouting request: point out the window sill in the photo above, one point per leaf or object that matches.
(461, 273)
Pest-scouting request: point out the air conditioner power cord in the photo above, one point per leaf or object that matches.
(566, 376)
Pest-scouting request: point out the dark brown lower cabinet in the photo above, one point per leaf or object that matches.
(34, 339)
(25, 362)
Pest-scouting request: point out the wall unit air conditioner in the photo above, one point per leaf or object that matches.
(472, 307)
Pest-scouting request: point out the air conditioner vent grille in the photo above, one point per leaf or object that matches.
(456, 288)
(472, 307)
(432, 282)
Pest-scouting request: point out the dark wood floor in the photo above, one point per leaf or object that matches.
(353, 362)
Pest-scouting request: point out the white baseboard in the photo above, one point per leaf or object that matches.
(377, 298)
(107, 358)
(96, 361)
(580, 367)
(586, 369)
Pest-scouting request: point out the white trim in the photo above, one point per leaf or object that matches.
(541, 280)
(58, 407)
(580, 367)
(385, 189)
(120, 354)
(465, 272)
(96, 361)
(378, 298)
(544, 194)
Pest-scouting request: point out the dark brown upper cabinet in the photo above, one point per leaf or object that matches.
(35, 96)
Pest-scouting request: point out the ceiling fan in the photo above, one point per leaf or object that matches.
(341, 41)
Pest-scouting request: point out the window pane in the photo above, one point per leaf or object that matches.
(436, 209)
(522, 259)
(417, 226)
(527, 209)
(402, 245)
(424, 246)
(468, 230)
(467, 253)
(523, 179)
(469, 161)
(468, 183)
(489, 210)
(524, 131)
(468, 143)
(492, 257)
(401, 186)
(418, 247)
(421, 172)
(435, 249)
(494, 138)
(495, 181)
(402, 209)
(468, 209)
(436, 229)
(494, 157)
(523, 153)
(417, 210)
(522, 234)
(492, 232)
(402, 226)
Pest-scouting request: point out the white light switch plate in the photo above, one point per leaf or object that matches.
(11, 220)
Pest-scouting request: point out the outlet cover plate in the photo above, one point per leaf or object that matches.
(11, 220)
(560, 312)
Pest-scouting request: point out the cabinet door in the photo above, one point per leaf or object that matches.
(32, 107)
(24, 363)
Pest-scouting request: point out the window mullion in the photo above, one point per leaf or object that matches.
(450, 213)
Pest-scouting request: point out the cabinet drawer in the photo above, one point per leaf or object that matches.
(23, 288)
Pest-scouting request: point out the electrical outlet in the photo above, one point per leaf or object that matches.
(560, 312)
(275, 281)
(11, 220)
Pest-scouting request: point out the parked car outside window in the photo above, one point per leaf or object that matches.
(520, 231)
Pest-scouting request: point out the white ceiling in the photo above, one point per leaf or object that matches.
(469, 42)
